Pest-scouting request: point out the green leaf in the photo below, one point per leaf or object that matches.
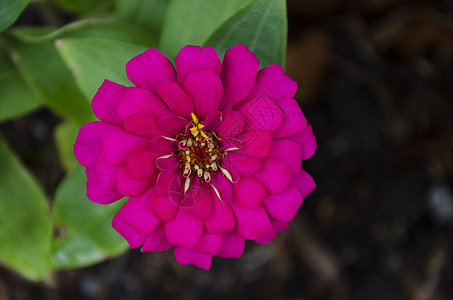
(65, 134)
(261, 26)
(192, 22)
(84, 232)
(93, 60)
(25, 227)
(85, 5)
(15, 97)
(145, 13)
(49, 79)
(9, 11)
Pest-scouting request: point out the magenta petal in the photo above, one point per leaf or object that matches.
(189, 257)
(307, 140)
(212, 121)
(283, 206)
(156, 240)
(141, 164)
(143, 125)
(256, 143)
(288, 152)
(222, 219)
(118, 144)
(170, 184)
(232, 124)
(105, 101)
(172, 124)
(137, 212)
(242, 164)
(275, 176)
(251, 223)
(131, 187)
(87, 145)
(185, 229)
(96, 194)
(164, 208)
(262, 112)
(167, 163)
(134, 238)
(140, 101)
(176, 99)
(273, 81)
(293, 119)
(209, 243)
(204, 207)
(249, 192)
(223, 186)
(277, 226)
(149, 69)
(304, 183)
(239, 69)
(163, 146)
(232, 245)
(193, 58)
(106, 174)
(206, 90)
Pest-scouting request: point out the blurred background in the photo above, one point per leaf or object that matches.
(376, 83)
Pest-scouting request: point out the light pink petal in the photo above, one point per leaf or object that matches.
(87, 145)
(172, 124)
(307, 140)
(149, 69)
(164, 208)
(106, 174)
(96, 194)
(135, 239)
(273, 81)
(274, 175)
(249, 192)
(238, 76)
(206, 90)
(232, 124)
(137, 213)
(185, 229)
(117, 146)
(188, 257)
(251, 223)
(293, 119)
(277, 226)
(262, 112)
(222, 219)
(287, 152)
(105, 101)
(193, 58)
(209, 243)
(131, 187)
(256, 143)
(176, 99)
(223, 186)
(143, 125)
(232, 245)
(140, 101)
(242, 164)
(141, 164)
(204, 208)
(163, 146)
(156, 240)
(283, 206)
(304, 183)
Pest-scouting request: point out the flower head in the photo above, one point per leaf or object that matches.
(208, 153)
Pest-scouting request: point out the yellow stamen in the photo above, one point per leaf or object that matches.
(197, 129)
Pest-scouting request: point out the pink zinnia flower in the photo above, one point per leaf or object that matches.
(210, 153)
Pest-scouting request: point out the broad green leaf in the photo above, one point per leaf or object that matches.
(25, 227)
(84, 5)
(261, 26)
(93, 60)
(93, 28)
(15, 97)
(9, 11)
(49, 79)
(192, 22)
(83, 228)
(145, 13)
(65, 134)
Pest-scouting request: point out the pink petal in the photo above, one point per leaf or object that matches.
(275, 176)
(193, 58)
(232, 124)
(239, 69)
(209, 243)
(283, 206)
(212, 121)
(137, 213)
(304, 183)
(223, 186)
(105, 101)
(176, 99)
(117, 145)
(232, 245)
(287, 152)
(307, 140)
(167, 163)
(185, 229)
(293, 119)
(87, 145)
(204, 208)
(249, 192)
(251, 223)
(164, 208)
(228, 144)
(189, 257)
(140, 101)
(106, 174)
(170, 184)
(131, 187)
(156, 240)
(256, 143)
(143, 125)
(273, 81)
(206, 90)
(141, 164)
(149, 69)
(242, 164)
(134, 238)
(172, 124)
(96, 194)
(163, 146)
(222, 219)
(277, 226)
(262, 112)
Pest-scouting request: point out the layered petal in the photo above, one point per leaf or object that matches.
(133, 238)
(307, 140)
(184, 230)
(284, 206)
(249, 192)
(251, 223)
(156, 240)
(137, 213)
(140, 101)
(176, 99)
(255, 143)
(293, 119)
(106, 174)
(274, 175)
(186, 256)
(304, 183)
(96, 194)
(222, 219)
(288, 152)
(193, 58)
(131, 187)
(117, 146)
(232, 245)
(273, 82)
(105, 102)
